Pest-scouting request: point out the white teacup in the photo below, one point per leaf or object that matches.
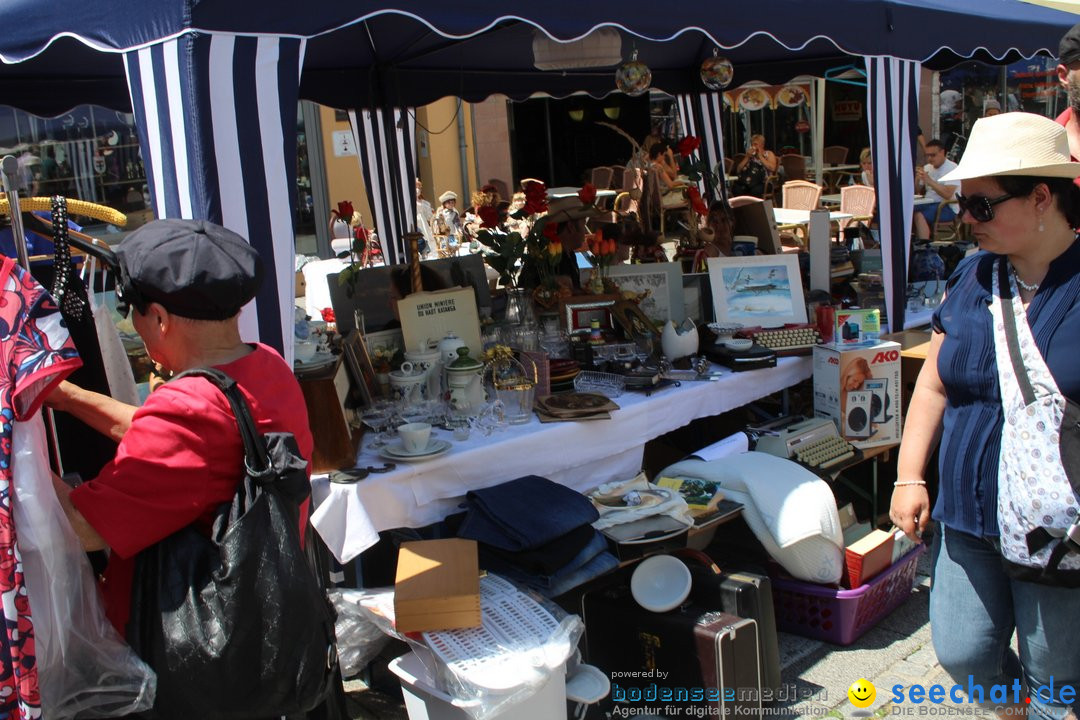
(414, 436)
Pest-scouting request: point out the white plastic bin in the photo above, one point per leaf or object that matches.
(424, 701)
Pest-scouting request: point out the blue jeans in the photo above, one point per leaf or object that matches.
(974, 608)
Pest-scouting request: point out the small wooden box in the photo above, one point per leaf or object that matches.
(324, 395)
(437, 586)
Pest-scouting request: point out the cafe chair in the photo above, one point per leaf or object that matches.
(654, 211)
(794, 167)
(800, 195)
(601, 177)
(618, 172)
(858, 201)
(729, 166)
(834, 155)
(500, 187)
(945, 230)
(741, 200)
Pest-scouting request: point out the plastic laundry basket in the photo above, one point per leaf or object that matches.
(842, 616)
(424, 701)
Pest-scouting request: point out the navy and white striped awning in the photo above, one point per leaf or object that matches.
(216, 116)
(702, 115)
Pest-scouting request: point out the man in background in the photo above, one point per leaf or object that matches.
(928, 181)
(1068, 71)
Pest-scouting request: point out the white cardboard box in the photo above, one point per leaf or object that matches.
(859, 388)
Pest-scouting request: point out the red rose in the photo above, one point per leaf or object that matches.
(328, 315)
(696, 202)
(489, 216)
(345, 210)
(587, 194)
(535, 198)
(688, 145)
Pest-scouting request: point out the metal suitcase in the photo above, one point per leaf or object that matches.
(662, 662)
(741, 593)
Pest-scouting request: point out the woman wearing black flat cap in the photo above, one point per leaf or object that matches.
(185, 282)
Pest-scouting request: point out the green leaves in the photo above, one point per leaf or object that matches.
(502, 252)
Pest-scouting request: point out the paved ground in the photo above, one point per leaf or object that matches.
(897, 651)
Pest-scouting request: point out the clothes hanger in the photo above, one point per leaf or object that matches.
(847, 74)
(81, 241)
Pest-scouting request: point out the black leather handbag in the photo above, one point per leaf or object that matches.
(235, 624)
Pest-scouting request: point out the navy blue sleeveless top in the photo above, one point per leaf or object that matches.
(971, 440)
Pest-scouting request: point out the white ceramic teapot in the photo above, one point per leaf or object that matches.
(679, 342)
(428, 360)
(465, 384)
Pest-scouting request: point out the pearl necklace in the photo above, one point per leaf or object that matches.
(1030, 287)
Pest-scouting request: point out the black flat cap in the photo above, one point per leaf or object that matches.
(194, 268)
(1069, 49)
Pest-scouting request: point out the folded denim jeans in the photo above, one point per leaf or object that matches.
(525, 513)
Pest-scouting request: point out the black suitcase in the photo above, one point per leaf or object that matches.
(741, 593)
(663, 662)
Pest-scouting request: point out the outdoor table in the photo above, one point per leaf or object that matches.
(834, 199)
(580, 455)
(563, 192)
(790, 216)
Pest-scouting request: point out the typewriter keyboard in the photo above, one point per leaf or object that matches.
(791, 340)
(826, 452)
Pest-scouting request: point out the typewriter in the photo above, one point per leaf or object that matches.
(814, 443)
(796, 339)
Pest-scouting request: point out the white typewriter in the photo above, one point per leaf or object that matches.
(814, 442)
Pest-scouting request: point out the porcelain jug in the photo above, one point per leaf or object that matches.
(407, 383)
(427, 359)
(465, 384)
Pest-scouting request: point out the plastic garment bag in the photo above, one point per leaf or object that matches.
(113, 356)
(85, 669)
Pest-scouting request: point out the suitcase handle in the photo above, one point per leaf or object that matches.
(698, 557)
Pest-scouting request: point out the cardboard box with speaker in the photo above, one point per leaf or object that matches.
(859, 388)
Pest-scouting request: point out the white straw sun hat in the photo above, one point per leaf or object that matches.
(1016, 143)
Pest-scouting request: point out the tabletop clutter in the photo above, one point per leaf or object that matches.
(493, 610)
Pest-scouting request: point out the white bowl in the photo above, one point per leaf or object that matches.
(738, 344)
(660, 583)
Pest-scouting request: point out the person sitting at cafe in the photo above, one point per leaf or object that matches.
(866, 176)
(928, 181)
(671, 186)
(752, 172)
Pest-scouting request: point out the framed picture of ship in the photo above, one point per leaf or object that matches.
(758, 290)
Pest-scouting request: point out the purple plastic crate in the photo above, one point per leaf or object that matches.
(842, 616)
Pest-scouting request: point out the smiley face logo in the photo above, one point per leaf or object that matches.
(862, 693)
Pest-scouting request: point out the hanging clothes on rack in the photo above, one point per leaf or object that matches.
(80, 449)
(37, 353)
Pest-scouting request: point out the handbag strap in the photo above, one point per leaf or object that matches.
(256, 458)
(1012, 339)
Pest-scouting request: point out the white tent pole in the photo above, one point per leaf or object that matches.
(819, 128)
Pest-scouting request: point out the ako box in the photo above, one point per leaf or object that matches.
(437, 586)
(859, 388)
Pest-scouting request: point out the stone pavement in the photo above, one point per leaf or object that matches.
(815, 673)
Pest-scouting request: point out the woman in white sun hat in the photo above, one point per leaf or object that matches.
(1018, 197)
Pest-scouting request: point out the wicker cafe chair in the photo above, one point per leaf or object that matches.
(618, 172)
(794, 167)
(653, 208)
(945, 230)
(801, 195)
(858, 201)
(601, 177)
(834, 155)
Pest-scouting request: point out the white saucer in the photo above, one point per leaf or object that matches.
(398, 452)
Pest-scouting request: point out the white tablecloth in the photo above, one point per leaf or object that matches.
(789, 216)
(580, 455)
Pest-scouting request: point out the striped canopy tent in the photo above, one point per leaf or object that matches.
(214, 83)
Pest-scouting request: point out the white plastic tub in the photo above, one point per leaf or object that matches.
(424, 701)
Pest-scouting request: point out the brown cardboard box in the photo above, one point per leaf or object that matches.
(867, 557)
(437, 586)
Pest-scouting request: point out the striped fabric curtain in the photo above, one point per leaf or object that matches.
(893, 114)
(702, 115)
(385, 140)
(216, 116)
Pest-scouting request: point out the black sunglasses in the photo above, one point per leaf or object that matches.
(980, 207)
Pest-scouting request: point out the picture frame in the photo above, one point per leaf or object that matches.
(578, 313)
(664, 284)
(383, 346)
(697, 298)
(757, 290)
(635, 324)
(361, 371)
